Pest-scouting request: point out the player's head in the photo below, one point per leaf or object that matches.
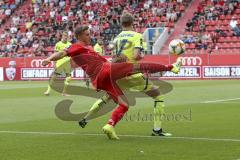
(99, 41)
(127, 20)
(64, 37)
(82, 34)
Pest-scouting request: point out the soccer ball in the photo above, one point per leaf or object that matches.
(176, 47)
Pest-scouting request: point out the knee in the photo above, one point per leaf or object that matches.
(154, 92)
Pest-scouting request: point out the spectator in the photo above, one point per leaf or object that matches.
(235, 26)
(206, 38)
(16, 20)
(220, 32)
(29, 35)
(230, 8)
(60, 14)
(202, 26)
(237, 30)
(188, 38)
(24, 41)
(52, 14)
(65, 19)
(13, 29)
(189, 26)
(62, 4)
(8, 12)
(200, 45)
(233, 23)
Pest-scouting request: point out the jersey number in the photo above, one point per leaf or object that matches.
(123, 44)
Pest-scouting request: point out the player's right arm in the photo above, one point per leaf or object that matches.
(73, 50)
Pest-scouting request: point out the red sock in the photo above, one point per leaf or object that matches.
(117, 114)
(153, 67)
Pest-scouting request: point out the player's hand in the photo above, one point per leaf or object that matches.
(139, 57)
(45, 62)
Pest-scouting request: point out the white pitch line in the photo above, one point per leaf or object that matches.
(135, 136)
(221, 100)
(40, 133)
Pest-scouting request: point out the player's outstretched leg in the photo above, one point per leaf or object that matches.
(176, 66)
(154, 67)
(121, 70)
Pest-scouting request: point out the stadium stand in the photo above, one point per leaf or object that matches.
(7, 7)
(214, 28)
(34, 29)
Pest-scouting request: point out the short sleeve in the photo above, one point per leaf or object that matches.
(74, 49)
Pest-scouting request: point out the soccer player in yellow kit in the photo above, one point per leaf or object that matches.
(98, 47)
(129, 47)
(63, 65)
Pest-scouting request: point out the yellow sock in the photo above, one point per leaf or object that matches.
(97, 106)
(48, 89)
(66, 83)
(51, 81)
(158, 112)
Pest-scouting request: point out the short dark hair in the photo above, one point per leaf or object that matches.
(127, 20)
(79, 30)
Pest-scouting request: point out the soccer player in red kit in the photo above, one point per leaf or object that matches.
(104, 74)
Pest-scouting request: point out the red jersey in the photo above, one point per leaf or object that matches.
(86, 58)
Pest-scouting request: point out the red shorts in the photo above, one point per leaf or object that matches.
(106, 83)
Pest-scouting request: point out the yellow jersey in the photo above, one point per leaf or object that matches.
(126, 42)
(98, 48)
(60, 46)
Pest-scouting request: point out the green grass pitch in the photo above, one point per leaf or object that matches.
(30, 130)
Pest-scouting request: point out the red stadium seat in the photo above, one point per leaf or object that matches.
(237, 11)
(202, 51)
(234, 39)
(237, 45)
(228, 17)
(222, 17)
(210, 28)
(207, 22)
(192, 45)
(227, 39)
(213, 23)
(221, 39)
